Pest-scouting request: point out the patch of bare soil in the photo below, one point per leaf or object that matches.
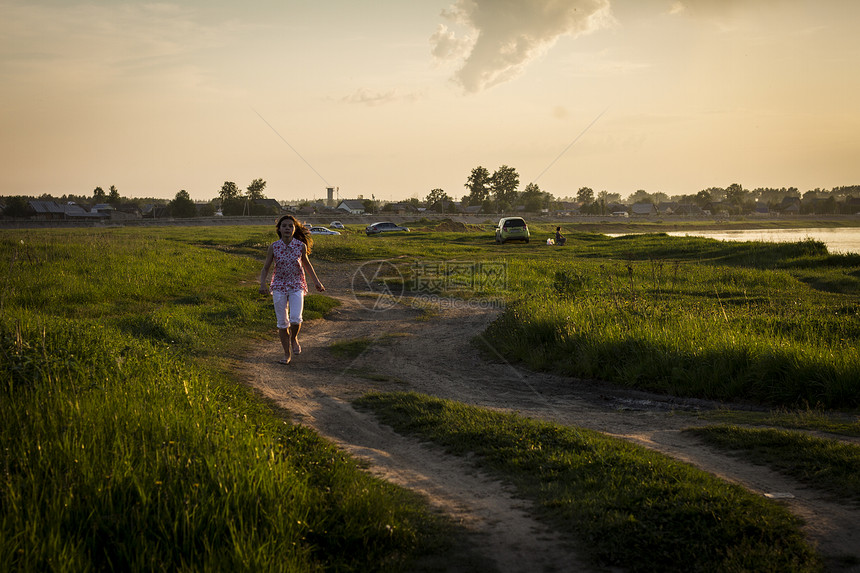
(427, 349)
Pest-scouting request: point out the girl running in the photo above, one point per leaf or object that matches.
(288, 287)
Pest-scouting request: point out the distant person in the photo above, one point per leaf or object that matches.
(559, 238)
(288, 287)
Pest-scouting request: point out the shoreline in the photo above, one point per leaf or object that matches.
(664, 225)
(588, 224)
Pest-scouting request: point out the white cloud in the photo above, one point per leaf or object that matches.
(677, 8)
(445, 45)
(504, 36)
(370, 97)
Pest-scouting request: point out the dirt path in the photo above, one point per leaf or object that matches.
(425, 348)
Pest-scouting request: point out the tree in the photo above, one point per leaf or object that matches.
(533, 199)
(603, 199)
(114, 195)
(504, 184)
(738, 198)
(255, 192)
(255, 189)
(229, 191)
(640, 196)
(436, 196)
(608, 197)
(231, 202)
(182, 206)
(585, 195)
(717, 193)
(207, 209)
(703, 198)
(659, 197)
(98, 195)
(828, 206)
(479, 184)
(17, 206)
(735, 193)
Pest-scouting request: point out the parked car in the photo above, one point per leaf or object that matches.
(323, 231)
(384, 227)
(336, 225)
(512, 229)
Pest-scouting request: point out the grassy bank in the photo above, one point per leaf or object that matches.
(622, 505)
(124, 445)
(777, 324)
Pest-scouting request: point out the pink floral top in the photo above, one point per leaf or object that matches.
(289, 275)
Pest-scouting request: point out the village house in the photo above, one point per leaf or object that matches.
(270, 205)
(399, 208)
(688, 209)
(52, 211)
(667, 207)
(790, 206)
(761, 209)
(47, 210)
(352, 206)
(643, 209)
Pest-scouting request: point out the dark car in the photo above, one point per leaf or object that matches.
(384, 227)
(512, 229)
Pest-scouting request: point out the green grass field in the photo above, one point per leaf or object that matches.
(128, 446)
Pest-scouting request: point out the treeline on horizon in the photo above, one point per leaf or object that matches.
(493, 192)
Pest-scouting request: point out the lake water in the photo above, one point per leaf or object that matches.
(841, 240)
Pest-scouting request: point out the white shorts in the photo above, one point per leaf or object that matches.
(295, 300)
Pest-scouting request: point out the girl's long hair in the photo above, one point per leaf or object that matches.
(301, 232)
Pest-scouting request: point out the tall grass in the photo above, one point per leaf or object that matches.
(125, 447)
(692, 329)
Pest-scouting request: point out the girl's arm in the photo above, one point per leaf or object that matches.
(309, 269)
(264, 288)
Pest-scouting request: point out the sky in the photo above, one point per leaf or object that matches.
(390, 99)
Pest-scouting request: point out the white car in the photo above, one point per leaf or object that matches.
(323, 231)
(336, 225)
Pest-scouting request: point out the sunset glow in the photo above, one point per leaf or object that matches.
(392, 99)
